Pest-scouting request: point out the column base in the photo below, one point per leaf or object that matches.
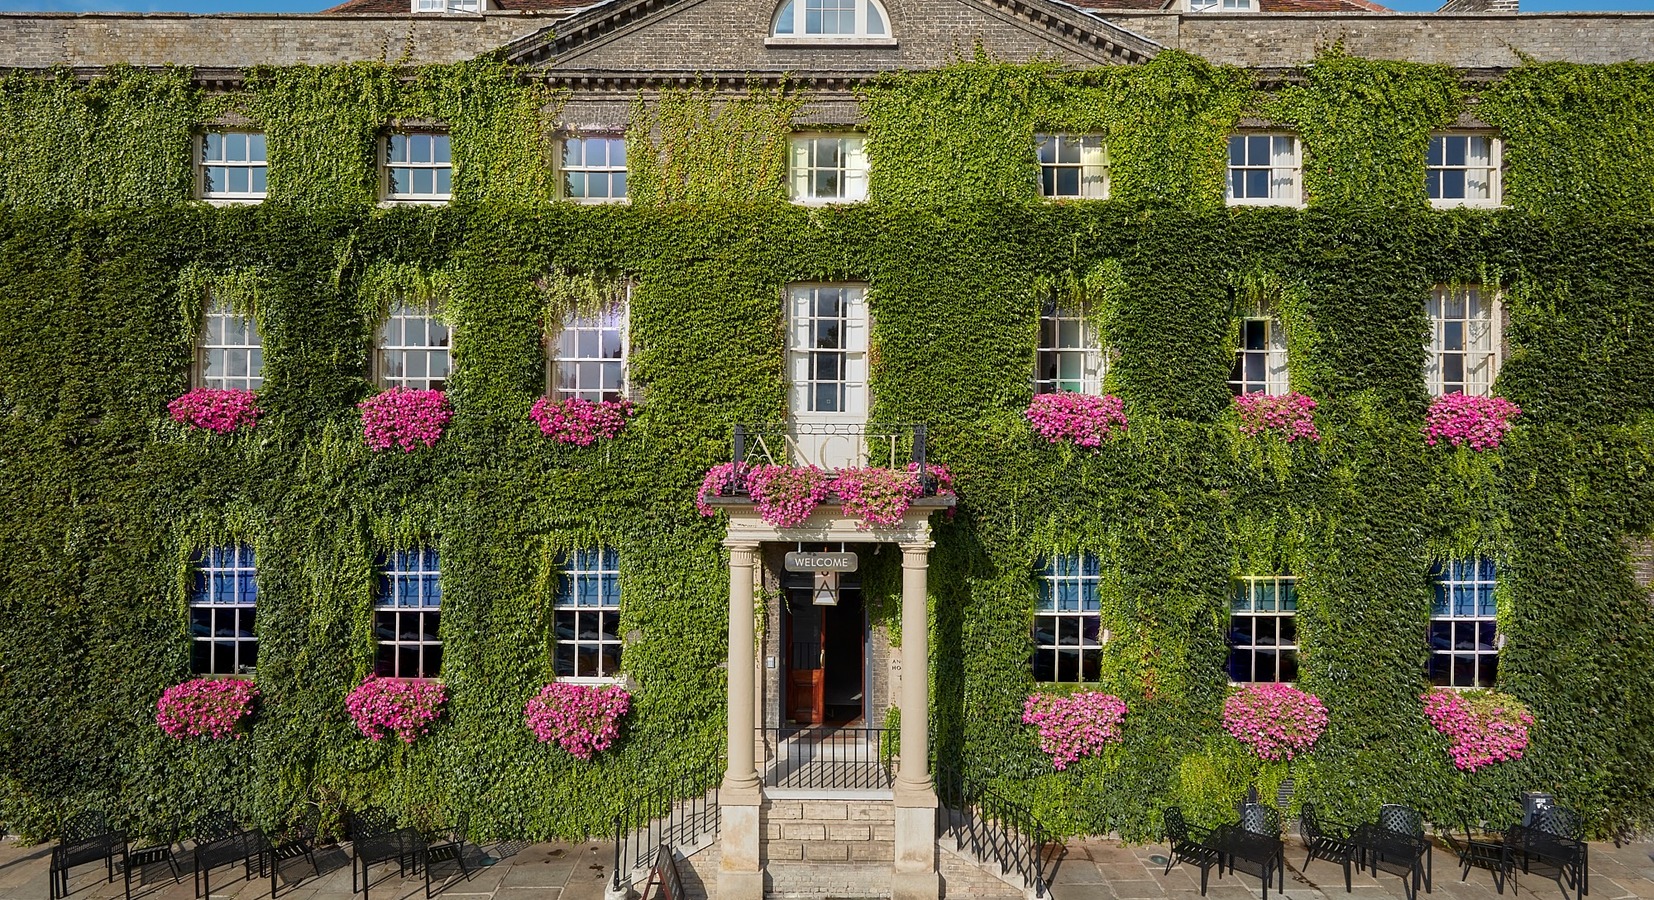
(740, 873)
(744, 886)
(913, 886)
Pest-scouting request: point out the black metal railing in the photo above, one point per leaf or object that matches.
(680, 815)
(824, 758)
(994, 830)
(894, 445)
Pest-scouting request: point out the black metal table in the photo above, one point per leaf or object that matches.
(1484, 851)
(1569, 857)
(1262, 850)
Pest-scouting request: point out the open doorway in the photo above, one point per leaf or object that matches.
(826, 655)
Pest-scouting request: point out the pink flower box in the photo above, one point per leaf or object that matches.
(205, 707)
(1292, 416)
(1277, 721)
(404, 417)
(582, 719)
(786, 496)
(1083, 420)
(218, 411)
(1459, 419)
(404, 707)
(1482, 728)
(581, 422)
(1074, 725)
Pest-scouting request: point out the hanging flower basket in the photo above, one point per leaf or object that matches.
(1277, 721)
(1084, 420)
(404, 417)
(1074, 725)
(215, 410)
(206, 707)
(404, 707)
(1291, 416)
(582, 719)
(1480, 422)
(1482, 727)
(581, 422)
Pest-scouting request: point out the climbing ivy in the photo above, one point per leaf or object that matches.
(105, 266)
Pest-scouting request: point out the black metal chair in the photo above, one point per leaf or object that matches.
(1189, 845)
(1260, 818)
(1488, 851)
(84, 838)
(1331, 844)
(375, 838)
(221, 841)
(292, 842)
(161, 851)
(1396, 844)
(447, 845)
(1555, 839)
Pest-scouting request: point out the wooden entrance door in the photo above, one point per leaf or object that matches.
(806, 654)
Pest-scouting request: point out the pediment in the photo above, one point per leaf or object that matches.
(659, 40)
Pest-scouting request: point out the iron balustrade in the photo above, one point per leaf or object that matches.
(825, 758)
(993, 829)
(881, 445)
(678, 816)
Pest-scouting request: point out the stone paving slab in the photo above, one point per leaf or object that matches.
(1088, 870)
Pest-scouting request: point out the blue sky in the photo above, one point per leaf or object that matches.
(203, 6)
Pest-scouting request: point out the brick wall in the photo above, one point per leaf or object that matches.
(1642, 562)
(828, 848)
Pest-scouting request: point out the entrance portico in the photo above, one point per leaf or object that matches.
(742, 863)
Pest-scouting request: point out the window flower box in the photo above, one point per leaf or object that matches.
(1277, 721)
(785, 496)
(217, 410)
(581, 422)
(1074, 725)
(1082, 420)
(206, 707)
(381, 707)
(582, 719)
(1460, 419)
(404, 417)
(1482, 727)
(1290, 416)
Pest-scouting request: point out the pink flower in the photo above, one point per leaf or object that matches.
(877, 496)
(1482, 727)
(404, 417)
(205, 707)
(1083, 420)
(581, 422)
(1480, 422)
(786, 495)
(1074, 725)
(218, 411)
(1292, 416)
(582, 719)
(1277, 721)
(720, 479)
(400, 706)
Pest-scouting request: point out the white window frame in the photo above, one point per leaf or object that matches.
(225, 588)
(1067, 335)
(870, 22)
(853, 168)
(1068, 605)
(394, 344)
(388, 166)
(449, 6)
(259, 166)
(564, 356)
(421, 569)
(603, 565)
(828, 437)
(565, 168)
(1272, 354)
(1453, 581)
(217, 338)
(1221, 6)
(1285, 170)
(1247, 601)
(1494, 170)
(1091, 164)
(1481, 364)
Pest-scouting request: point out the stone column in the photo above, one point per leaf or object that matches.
(740, 874)
(914, 877)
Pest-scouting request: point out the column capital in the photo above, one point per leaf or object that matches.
(742, 554)
(916, 554)
(734, 543)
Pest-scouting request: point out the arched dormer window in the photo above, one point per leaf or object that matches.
(848, 20)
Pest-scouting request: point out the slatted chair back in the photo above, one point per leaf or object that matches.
(1560, 821)
(375, 836)
(1309, 825)
(1400, 819)
(1177, 829)
(1260, 818)
(84, 826)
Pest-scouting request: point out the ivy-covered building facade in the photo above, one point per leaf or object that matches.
(1155, 353)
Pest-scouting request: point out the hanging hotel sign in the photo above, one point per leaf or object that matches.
(842, 561)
